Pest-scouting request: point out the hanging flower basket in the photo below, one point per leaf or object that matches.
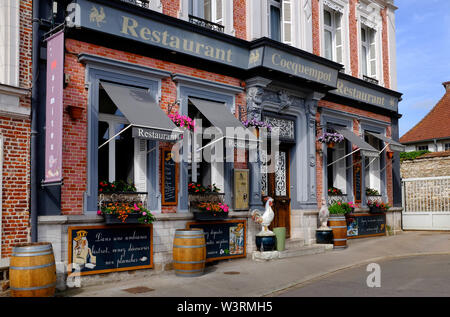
(329, 138)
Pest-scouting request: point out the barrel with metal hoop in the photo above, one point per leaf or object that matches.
(32, 270)
(189, 252)
(339, 226)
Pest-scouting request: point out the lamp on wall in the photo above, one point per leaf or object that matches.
(75, 112)
(390, 154)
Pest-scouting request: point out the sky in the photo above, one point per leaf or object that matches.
(423, 56)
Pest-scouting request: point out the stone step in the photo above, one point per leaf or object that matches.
(294, 244)
(293, 252)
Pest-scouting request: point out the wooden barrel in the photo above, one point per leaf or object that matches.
(32, 270)
(189, 252)
(339, 226)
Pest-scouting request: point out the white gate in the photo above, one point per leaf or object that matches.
(426, 203)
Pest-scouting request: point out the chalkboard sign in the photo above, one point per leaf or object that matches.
(224, 239)
(357, 183)
(101, 249)
(169, 181)
(365, 225)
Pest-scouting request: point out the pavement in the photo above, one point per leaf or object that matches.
(248, 278)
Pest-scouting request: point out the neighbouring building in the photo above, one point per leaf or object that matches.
(432, 133)
(15, 126)
(304, 67)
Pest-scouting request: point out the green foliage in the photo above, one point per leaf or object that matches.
(372, 192)
(116, 186)
(337, 208)
(412, 155)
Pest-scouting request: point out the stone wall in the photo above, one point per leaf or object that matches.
(429, 165)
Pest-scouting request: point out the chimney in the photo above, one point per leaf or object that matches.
(446, 86)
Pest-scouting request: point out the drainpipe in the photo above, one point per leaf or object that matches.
(34, 105)
(435, 145)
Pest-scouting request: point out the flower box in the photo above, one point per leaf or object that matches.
(376, 210)
(113, 220)
(209, 216)
(195, 198)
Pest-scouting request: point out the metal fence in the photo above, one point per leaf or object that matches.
(430, 194)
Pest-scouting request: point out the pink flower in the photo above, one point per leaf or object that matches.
(207, 208)
(99, 212)
(144, 214)
(136, 208)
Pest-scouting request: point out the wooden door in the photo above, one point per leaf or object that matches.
(278, 189)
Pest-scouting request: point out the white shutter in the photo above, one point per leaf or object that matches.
(339, 170)
(140, 165)
(375, 175)
(372, 54)
(286, 7)
(338, 35)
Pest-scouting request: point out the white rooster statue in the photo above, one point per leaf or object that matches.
(265, 219)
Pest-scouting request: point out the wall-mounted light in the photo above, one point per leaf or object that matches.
(390, 154)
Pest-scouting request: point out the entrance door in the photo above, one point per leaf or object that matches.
(278, 189)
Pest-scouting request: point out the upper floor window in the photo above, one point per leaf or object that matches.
(281, 21)
(422, 148)
(218, 13)
(275, 19)
(332, 31)
(368, 52)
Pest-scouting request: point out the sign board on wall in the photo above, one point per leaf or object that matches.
(224, 239)
(366, 225)
(169, 178)
(241, 189)
(102, 249)
(54, 108)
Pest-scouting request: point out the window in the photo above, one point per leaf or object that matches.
(211, 10)
(124, 157)
(446, 146)
(333, 46)
(373, 165)
(422, 148)
(368, 52)
(337, 173)
(275, 20)
(206, 172)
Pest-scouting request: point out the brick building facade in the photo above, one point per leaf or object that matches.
(288, 73)
(15, 123)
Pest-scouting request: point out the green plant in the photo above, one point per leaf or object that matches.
(377, 204)
(213, 207)
(412, 155)
(372, 192)
(338, 208)
(195, 188)
(334, 191)
(116, 186)
(123, 210)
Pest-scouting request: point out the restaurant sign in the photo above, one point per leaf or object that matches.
(357, 92)
(98, 17)
(156, 134)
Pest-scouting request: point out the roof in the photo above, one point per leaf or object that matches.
(435, 125)
(435, 154)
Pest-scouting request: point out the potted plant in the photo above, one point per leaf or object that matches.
(120, 212)
(256, 124)
(330, 138)
(338, 223)
(376, 207)
(335, 195)
(211, 211)
(373, 194)
(199, 193)
(182, 121)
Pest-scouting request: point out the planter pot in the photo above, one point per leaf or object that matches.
(375, 210)
(265, 243)
(123, 197)
(195, 198)
(113, 220)
(338, 225)
(209, 216)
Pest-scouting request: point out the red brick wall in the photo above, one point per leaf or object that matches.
(353, 36)
(240, 19)
(16, 156)
(315, 26)
(75, 132)
(171, 7)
